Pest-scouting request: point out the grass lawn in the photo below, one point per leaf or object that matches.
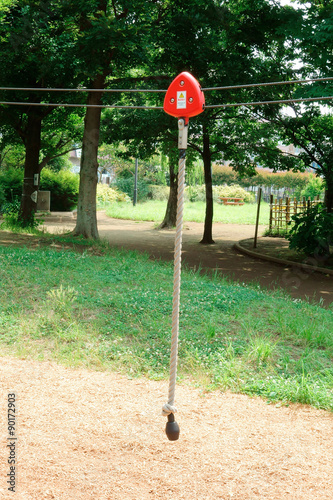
(109, 309)
(193, 212)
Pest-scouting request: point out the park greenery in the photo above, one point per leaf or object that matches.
(114, 312)
(100, 44)
(64, 186)
(304, 232)
(311, 232)
(109, 309)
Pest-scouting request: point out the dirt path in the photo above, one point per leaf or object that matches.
(144, 237)
(86, 435)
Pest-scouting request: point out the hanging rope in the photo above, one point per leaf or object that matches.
(169, 406)
(168, 410)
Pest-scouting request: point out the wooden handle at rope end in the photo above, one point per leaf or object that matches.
(172, 428)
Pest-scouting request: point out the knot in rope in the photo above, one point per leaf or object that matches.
(168, 409)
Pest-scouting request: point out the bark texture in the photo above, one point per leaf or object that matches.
(86, 222)
(170, 217)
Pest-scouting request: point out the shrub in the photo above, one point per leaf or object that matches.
(106, 194)
(11, 183)
(12, 220)
(64, 187)
(159, 192)
(315, 187)
(277, 232)
(2, 198)
(233, 191)
(11, 206)
(195, 193)
(198, 193)
(312, 232)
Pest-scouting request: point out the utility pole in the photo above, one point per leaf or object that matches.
(135, 196)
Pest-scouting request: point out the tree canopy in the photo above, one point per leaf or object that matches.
(101, 44)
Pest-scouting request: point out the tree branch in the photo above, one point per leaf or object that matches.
(50, 157)
(195, 147)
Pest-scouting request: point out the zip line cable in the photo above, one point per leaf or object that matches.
(103, 106)
(268, 84)
(45, 89)
(211, 106)
(258, 103)
(229, 87)
(67, 105)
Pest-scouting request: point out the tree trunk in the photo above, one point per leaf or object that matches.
(31, 170)
(86, 223)
(170, 217)
(207, 238)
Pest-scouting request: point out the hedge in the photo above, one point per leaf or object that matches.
(158, 192)
(106, 194)
(292, 180)
(198, 193)
(64, 187)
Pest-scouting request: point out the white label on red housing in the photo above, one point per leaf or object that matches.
(181, 99)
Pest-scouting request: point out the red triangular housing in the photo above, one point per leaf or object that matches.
(184, 97)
